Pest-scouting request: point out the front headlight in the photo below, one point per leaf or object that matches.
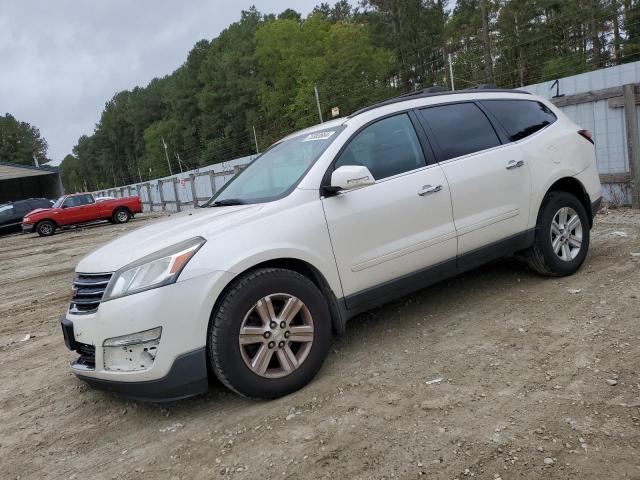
(155, 270)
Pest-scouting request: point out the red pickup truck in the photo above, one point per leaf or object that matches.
(80, 208)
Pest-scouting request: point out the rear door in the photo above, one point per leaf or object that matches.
(489, 179)
(21, 208)
(403, 223)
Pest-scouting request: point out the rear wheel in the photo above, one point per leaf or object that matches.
(46, 228)
(270, 334)
(562, 236)
(121, 215)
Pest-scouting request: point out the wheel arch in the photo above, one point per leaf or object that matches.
(120, 207)
(338, 318)
(45, 220)
(573, 186)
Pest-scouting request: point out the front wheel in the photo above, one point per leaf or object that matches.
(46, 228)
(270, 333)
(562, 236)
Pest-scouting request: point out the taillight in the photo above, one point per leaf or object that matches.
(586, 134)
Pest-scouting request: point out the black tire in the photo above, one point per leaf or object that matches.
(121, 215)
(541, 256)
(46, 228)
(223, 348)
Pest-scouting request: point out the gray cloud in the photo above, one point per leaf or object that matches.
(60, 61)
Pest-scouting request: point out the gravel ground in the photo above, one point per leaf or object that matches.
(540, 378)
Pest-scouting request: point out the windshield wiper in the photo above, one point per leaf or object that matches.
(226, 202)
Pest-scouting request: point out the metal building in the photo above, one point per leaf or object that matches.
(18, 182)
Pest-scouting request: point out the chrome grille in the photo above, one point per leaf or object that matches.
(88, 289)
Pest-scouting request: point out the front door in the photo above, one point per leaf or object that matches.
(398, 226)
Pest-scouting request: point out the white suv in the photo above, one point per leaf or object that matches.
(325, 224)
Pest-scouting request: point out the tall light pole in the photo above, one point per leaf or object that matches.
(315, 89)
(166, 155)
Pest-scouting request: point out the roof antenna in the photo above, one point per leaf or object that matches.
(556, 84)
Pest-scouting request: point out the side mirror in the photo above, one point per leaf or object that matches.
(349, 177)
(63, 206)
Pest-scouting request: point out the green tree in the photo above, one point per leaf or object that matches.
(21, 142)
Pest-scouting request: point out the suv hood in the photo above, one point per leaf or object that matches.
(206, 223)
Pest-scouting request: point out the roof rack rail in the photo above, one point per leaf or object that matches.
(483, 86)
(435, 92)
(434, 89)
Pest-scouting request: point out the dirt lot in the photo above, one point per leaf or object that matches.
(527, 364)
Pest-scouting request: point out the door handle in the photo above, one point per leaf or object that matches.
(513, 164)
(427, 189)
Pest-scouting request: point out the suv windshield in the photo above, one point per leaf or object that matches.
(277, 171)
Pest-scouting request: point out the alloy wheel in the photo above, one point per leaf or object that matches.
(566, 234)
(276, 335)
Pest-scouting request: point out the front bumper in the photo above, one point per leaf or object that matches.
(179, 368)
(27, 227)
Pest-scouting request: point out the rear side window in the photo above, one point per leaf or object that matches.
(520, 118)
(387, 147)
(459, 129)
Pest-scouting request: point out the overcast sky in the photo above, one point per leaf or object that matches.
(61, 60)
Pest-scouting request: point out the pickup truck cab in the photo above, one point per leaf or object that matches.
(77, 209)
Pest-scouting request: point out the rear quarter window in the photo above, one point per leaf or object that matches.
(520, 118)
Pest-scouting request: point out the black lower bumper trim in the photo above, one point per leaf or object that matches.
(187, 377)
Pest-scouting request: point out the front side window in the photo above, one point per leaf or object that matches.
(520, 118)
(388, 147)
(277, 171)
(459, 129)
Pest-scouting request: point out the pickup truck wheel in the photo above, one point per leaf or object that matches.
(270, 334)
(562, 236)
(46, 228)
(121, 215)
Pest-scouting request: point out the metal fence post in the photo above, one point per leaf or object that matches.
(194, 195)
(633, 141)
(164, 206)
(212, 179)
(149, 197)
(175, 193)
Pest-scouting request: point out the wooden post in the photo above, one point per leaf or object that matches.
(164, 206)
(212, 179)
(633, 141)
(194, 195)
(175, 193)
(149, 197)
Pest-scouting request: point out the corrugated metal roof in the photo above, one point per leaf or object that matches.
(10, 171)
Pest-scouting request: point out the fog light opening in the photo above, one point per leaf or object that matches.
(133, 352)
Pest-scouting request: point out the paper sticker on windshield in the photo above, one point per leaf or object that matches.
(318, 136)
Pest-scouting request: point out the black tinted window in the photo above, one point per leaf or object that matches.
(40, 203)
(460, 129)
(387, 147)
(520, 118)
(78, 200)
(22, 208)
